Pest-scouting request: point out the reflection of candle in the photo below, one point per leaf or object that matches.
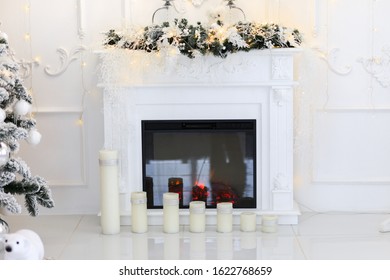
(109, 193)
(149, 191)
(139, 218)
(171, 212)
(176, 185)
(172, 246)
(197, 216)
(248, 221)
(139, 245)
(224, 217)
(225, 246)
(269, 223)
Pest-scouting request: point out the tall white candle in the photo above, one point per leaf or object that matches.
(224, 217)
(248, 221)
(109, 192)
(139, 216)
(197, 216)
(171, 212)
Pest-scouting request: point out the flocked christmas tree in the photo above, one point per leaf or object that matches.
(16, 124)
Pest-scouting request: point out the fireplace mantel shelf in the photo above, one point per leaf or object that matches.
(201, 85)
(256, 85)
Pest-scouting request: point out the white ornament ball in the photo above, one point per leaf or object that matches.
(34, 137)
(22, 107)
(4, 153)
(3, 115)
(4, 228)
(3, 36)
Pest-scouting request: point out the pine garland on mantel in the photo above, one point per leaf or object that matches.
(218, 39)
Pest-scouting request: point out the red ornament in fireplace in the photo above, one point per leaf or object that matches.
(223, 193)
(200, 192)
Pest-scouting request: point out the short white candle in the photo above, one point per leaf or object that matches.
(139, 217)
(269, 223)
(197, 216)
(248, 221)
(109, 192)
(171, 212)
(224, 217)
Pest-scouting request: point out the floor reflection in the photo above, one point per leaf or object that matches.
(210, 245)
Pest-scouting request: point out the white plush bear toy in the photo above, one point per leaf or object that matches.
(24, 244)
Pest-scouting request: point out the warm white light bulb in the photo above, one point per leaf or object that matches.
(80, 122)
(27, 8)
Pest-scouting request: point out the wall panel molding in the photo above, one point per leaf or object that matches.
(68, 111)
(369, 126)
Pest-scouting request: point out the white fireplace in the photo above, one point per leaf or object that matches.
(258, 85)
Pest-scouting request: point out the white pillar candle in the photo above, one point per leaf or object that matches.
(139, 217)
(224, 217)
(248, 221)
(109, 192)
(171, 212)
(269, 223)
(197, 216)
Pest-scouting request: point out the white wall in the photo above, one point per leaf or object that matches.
(342, 154)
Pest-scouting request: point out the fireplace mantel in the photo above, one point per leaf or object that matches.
(255, 85)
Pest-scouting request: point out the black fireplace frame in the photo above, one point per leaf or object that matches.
(202, 125)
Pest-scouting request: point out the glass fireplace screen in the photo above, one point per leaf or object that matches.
(209, 160)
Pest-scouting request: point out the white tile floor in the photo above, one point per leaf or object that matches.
(316, 237)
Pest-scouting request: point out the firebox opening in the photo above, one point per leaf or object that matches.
(209, 160)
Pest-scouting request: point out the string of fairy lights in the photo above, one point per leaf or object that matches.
(27, 39)
(27, 8)
(35, 61)
(85, 90)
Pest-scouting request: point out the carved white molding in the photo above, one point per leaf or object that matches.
(134, 67)
(81, 18)
(26, 67)
(379, 67)
(201, 68)
(280, 68)
(280, 96)
(281, 183)
(66, 58)
(181, 6)
(331, 59)
(197, 2)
